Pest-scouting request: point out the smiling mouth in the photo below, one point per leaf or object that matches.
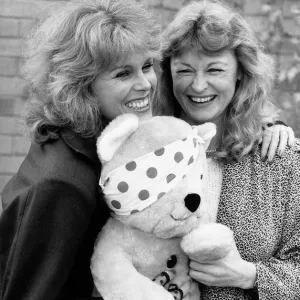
(202, 99)
(140, 104)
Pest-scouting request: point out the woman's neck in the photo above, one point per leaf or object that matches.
(215, 142)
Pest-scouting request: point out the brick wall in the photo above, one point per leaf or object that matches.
(18, 16)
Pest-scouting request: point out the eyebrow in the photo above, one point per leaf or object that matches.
(127, 66)
(212, 63)
(218, 62)
(119, 67)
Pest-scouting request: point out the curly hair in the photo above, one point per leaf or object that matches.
(211, 27)
(65, 53)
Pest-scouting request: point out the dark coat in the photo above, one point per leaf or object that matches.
(53, 211)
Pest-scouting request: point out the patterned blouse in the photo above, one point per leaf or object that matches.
(260, 202)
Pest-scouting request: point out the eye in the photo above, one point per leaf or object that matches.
(184, 71)
(148, 66)
(215, 70)
(123, 74)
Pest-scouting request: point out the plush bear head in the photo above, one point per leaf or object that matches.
(153, 174)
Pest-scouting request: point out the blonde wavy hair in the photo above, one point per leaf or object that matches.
(211, 27)
(69, 49)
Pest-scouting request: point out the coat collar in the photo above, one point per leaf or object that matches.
(87, 147)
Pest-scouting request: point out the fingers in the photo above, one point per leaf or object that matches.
(181, 283)
(201, 277)
(276, 138)
(177, 292)
(206, 274)
(179, 286)
(266, 140)
(164, 278)
(201, 267)
(287, 137)
(283, 141)
(291, 135)
(186, 287)
(274, 142)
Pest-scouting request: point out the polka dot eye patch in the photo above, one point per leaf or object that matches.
(139, 183)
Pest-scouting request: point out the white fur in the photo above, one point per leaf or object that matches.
(207, 131)
(114, 135)
(134, 249)
(208, 242)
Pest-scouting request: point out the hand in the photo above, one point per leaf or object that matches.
(274, 136)
(230, 270)
(181, 287)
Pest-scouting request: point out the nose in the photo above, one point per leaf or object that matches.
(192, 202)
(199, 83)
(142, 83)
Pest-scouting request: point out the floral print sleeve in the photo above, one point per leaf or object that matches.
(279, 276)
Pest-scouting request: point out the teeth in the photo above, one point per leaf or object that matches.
(139, 104)
(202, 99)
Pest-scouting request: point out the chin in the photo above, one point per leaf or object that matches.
(201, 116)
(147, 114)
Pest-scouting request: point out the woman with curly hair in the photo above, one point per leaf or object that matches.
(86, 64)
(214, 70)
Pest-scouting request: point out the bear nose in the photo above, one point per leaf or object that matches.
(192, 202)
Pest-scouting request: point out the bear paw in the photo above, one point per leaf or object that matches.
(210, 241)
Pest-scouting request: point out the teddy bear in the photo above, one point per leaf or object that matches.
(153, 179)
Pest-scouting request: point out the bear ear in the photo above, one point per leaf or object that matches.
(114, 135)
(207, 131)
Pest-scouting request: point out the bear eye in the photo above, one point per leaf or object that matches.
(172, 261)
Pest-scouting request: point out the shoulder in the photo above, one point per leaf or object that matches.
(57, 159)
(56, 191)
(290, 153)
(282, 166)
(291, 156)
(289, 159)
(50, 173)
(296, 147)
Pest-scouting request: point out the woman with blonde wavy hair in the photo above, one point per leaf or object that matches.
(214, 69)
(86, 64)
(199, 27)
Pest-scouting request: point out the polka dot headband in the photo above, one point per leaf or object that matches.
(136, 185)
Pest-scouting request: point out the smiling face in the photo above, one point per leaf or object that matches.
(127, 87)
(204, 85)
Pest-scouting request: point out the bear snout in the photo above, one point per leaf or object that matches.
(192, 202)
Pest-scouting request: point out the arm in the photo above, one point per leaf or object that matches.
(279, 276)
(52, 221)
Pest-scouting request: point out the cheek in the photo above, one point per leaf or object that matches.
(152, 78)
(180, 85)
(225, 86)
(101, 90)
(95, 89)
(119, 91)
